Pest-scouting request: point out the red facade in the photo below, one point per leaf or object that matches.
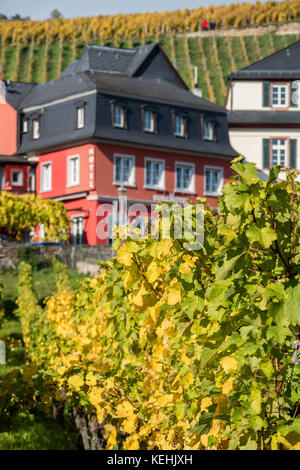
(96, 179)
(14, 174)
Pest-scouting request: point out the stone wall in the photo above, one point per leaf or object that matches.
(84, 258)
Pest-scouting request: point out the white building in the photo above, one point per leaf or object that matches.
(264, 111)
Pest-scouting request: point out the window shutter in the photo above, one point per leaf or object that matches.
(266, 153)
(293, 153)
(266, 94)
(294, 93)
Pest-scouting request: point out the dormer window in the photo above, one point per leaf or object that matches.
(149, 121)
(208, 130)
(35, 129)
(25, 126)
(119, 116)
(80, 117)
(179, 124)
(279, 95)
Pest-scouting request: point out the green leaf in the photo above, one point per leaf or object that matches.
(255, 400)
(251, 445)
(256, 423)
(263, 236)
(292, 307)
(273, 174)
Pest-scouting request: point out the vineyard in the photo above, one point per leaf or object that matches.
(215, 56)
(169, 348)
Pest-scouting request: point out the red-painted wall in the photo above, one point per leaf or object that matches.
(104, 172)
(8, 126)
(97, 175)
(59, 161)
(8, 178)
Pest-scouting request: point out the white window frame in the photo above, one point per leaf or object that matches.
(21, 172)
(36, 131)
(70, 181)
(221, 183)
(151, 128)
(42, 185)
(80, 117)
(161, 186)
(183, 130)
(279, 147)
(25, 126)
(131, 182)
(191, 189)
(211, 129)
(280, 105)
(117, 124)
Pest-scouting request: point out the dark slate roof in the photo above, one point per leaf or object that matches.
(282, 64)
(61, 88)
(158, 90)
(139, 57)
(153, 89)
(104, 59)
(264, 117)
(16, 92)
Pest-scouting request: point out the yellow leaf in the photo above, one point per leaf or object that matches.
(124, 257)
(205, 403)
(129, 424)
(228, 363)
(165, 399)
(173, 295)
(131, 443)
(185, 269)
(76, 382)
(90, 379)
(227, 387)
(110, 433)
(164, 247)
(124, 409)
(95, 396)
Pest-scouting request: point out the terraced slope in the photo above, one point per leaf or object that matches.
(215, 56)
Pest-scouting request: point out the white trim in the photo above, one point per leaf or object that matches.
(69, 183)
(42, 190)
(162, 186)
(17, 170)
(151, 129)
(36, 131)
(279, 86)
(131, 182)
(122, 125)
(211, 134)
(219, 191)
(192, 185)
(80, 117)
(61, 100)
(182, 133)
(25, 126)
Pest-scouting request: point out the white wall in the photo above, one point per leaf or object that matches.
(248, 142)
(247, 95)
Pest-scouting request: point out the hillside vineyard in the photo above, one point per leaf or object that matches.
(214, 56)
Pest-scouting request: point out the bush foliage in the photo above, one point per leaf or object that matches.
(169, 348)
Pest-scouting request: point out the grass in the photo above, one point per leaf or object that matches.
(30, 431)
(42, 434)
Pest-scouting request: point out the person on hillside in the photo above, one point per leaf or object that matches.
(212, 25)
(204, 25)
